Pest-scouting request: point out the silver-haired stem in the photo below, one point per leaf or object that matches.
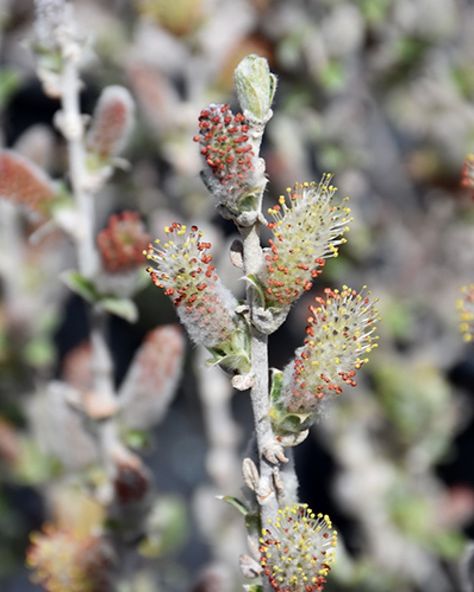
(72, 126)
(71, 123)
(259, 393)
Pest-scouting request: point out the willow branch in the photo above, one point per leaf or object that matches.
(71, 123)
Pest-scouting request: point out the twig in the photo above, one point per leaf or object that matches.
(270, 452)
(253, 259)
(71, 123)
(72, 126)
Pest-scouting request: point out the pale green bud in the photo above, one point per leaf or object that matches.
(255, 86)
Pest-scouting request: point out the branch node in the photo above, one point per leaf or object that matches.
(273, 452)
(243, 382)
(250, 474)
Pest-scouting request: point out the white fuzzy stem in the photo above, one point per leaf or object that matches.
(73, 129)
(71, 123)
(253, 259)
(259, 394)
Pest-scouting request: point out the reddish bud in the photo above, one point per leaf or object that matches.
(122, 242)
(152, 377)
(112, 122)
(24, 183)
(227, 152)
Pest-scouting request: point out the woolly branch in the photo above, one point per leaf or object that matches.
(71, 124)
(64, 38)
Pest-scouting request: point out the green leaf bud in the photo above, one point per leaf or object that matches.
(255, 86)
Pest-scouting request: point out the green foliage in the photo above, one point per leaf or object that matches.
(9, 81)
(120, 307)
(166, 527)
